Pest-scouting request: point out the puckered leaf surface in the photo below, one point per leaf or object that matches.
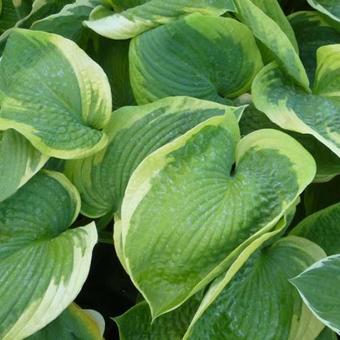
(186, 211)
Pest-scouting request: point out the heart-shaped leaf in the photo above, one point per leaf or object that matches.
(259, 302)
(42, 264)
(136, 20)
(73, 323)
(19, 162)
(53, 94)
(319, 288)
(293, 109)
(134, 133)
(186, 212)
(199, 56)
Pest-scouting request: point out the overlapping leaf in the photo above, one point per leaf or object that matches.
(42, 264)
(199, 56)
(134, 133)
(260, 303)
(291, 108)
(271, 35)
(186, 212)
(69, 21)
(329, 7)
(73, 324)
(319, 287)
(323, 228)
(136, 20)
(53, 94)
(312, 31)
(328, 163)
(19, 162)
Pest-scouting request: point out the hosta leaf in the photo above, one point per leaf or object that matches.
(273, 10)
(319, 288)
(136, 20)
(329, 7)
(41, 9)
(69, 21)
(321, 195)
(8, 16)
(19, 162)
(291, 108)
(327, 334)
(328, 163)
(137, 323)
(73, 324)
(323, 228)
(312, 31)
(270, 34)
(134, 133)
(53, 94)
(42, 264)
(186, 212)
(259, 302)
(199, 56)
(113, 57)
(221, 282)
(121, 5)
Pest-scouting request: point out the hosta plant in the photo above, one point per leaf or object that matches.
(170, 169)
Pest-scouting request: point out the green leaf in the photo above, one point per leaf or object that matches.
(53, 94)
(113, 57)
(273, 10)
(8, 15)
(19, 162)
(137, 323)
(221, 282)
(329, 7)
(73, 324)
(323, 228)
(259, 302)
(328, 163)
(134, 132)
(121, 5)
(293, 109)
(186, 213)
(41, 9)
(137, 20)
(270, 34)
(327, 334)
(42, 264)
(312, 31)
(69, 21)
(319, 288)
(199, 56)
(321, 195)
